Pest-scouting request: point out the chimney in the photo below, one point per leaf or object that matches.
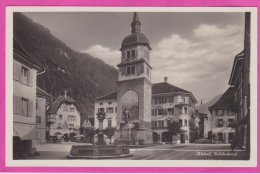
(65, 94)
(165, 79)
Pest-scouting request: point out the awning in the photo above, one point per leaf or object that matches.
(182, 131)
(230, 130)
(224, 130)
(25, 132)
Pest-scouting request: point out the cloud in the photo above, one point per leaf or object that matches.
(200, 64)
(196, 63)
(111, 57)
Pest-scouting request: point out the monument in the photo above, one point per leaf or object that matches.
(134, 89)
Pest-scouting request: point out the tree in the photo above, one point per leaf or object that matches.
(89, 133)
(174, 127)
(82, 130)
(110, 132)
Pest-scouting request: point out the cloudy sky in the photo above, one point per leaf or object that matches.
(194, 50)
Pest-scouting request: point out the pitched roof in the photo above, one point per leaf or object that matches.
(158, 88)
(41, 92)
(203, 109)
(110, 96)
(226, 100)
(164, 87)
(55, 106)
(19, 49)
(235, 69)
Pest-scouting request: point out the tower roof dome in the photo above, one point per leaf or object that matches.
(136, 37)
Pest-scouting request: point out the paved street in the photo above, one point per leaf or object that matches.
(158, 152)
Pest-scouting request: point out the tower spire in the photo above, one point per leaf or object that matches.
(136, 24)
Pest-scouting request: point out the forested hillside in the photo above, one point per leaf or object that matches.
(82, 76)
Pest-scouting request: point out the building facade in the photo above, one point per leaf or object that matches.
(42, 99)
(169, 103)
(223, 118)
(107, 104)
(63, 117)
(25, 70)
(152, 106)
(134, 87)
(240, 80)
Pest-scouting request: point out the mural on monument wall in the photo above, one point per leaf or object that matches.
(130, 102)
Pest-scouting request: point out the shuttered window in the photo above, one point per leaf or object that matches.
(22, 106)
(22, 74)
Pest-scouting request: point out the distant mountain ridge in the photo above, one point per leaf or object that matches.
(82, 76)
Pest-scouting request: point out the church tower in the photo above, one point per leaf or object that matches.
(134, 91)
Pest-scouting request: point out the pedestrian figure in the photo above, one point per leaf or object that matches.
(232, 144)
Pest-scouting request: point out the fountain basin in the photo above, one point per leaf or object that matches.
(99, 151)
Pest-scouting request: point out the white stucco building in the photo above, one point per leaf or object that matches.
(42, 99)
(63, 117)
(108, 104)
(25, 70)
(223, 117)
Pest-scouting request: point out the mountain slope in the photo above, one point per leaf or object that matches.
(82, 76)
(204, 107)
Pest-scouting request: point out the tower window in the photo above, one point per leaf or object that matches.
(133, 69)
(133, 53)
(128, 54)
(130, 70)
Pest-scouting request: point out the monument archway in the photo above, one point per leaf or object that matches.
(131, 103)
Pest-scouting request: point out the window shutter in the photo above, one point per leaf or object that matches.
(14, 105)
(30, 112)
(17, 71)
(30, 78)
(19, 101)
(155, 112)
